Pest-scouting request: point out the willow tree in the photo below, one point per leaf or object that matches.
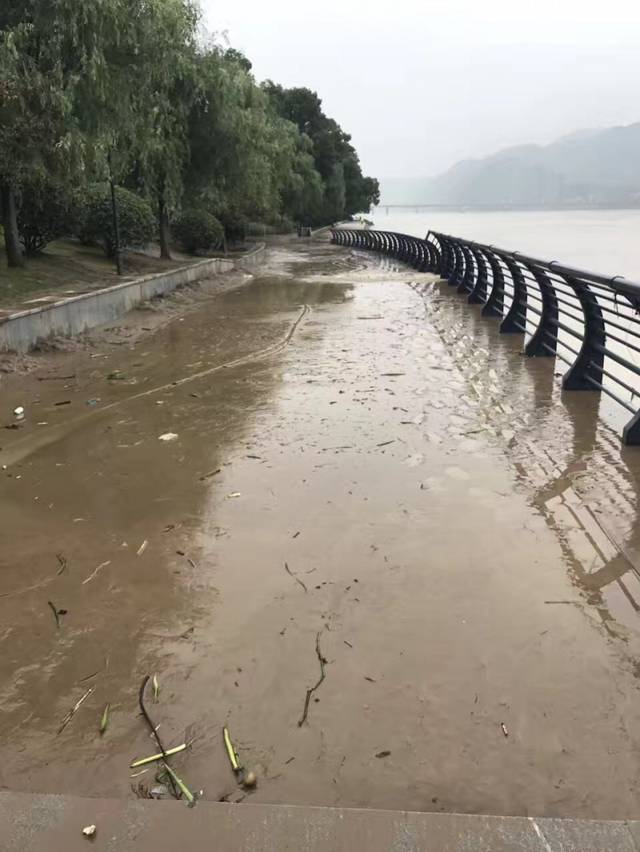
(161, 100)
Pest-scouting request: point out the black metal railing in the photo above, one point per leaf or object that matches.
(588, 321)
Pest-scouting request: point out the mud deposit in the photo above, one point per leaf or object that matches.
(365, 475)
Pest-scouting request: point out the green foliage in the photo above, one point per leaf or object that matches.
(129, 90)
(136, 221)
(47, 211)
(198, 231)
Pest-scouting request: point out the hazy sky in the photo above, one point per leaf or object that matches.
(420, 85)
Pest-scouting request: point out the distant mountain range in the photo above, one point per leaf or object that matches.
(588, 168)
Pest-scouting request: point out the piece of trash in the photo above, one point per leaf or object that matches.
(385, 443)
(211, 473)
(316, 685)
(152, 758)
(57, 612)
(64, 402)
(95, 573)
(116, 376)
(383, 754)
(168, 436)
(104, 721)
(287, 762)
(93, 402)
(156, 687)
(297, 579)
(74, 710)
(89, 830)
(504, 729)
(138, 774)
(250, 779)
(18, 412)
(186, 792)
(159, 791)
(295, 535)
(62, 562)
(370, 679)
(347, 643)
(233, 494)
(231, 752)
(142, 548)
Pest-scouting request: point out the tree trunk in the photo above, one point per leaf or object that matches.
(10, 226)
(165, 234)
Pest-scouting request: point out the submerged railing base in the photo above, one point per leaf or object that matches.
(588, 321)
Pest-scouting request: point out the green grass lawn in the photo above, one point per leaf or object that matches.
(66, 267)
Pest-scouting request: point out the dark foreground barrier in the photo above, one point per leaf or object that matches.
(588, 321)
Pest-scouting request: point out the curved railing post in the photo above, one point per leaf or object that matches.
(479, 293)
(514, 321)
(586, 371)
(468, 278)
(544, 340)
(494, 305)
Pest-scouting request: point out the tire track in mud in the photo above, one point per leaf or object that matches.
(31, 444)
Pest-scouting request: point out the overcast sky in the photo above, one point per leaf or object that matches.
(420, 84)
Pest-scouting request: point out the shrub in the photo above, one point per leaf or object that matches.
(236, 227)
(47, 211)
(135, 219)
(196, 230)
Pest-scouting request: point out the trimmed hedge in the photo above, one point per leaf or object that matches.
(198, 231)
(137, 223)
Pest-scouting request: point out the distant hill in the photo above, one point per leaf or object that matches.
(590, 167)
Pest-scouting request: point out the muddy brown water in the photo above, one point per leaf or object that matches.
(461, 541)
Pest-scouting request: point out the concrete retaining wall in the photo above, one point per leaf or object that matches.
(21, 331)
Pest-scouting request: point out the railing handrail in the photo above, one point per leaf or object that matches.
(617, 282)
(530, 296)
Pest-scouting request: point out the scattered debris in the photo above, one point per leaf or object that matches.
(385, 443)
(250, 779)
(211, 473)
(154, 732)
(259, 458)
(347, 643)
(142, 548)
(159, 791)
(383, 754)
(392, 374)
(287, 762)
(55, 378)
(370, 679)
(89, 831)
(92, 402)
(297, 579)
(233, 494)
(64, 402)
(18, 413)
(167, 436)
(295, 535)
(313, 688)
(152, 758)
(74, 710)
(62, 562)
(95, 573)
(186, 792)
(504, 729)
(104, 721)
(156, 688)
(57, 612)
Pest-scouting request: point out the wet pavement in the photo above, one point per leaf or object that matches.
(364, 472)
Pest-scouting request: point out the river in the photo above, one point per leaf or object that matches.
(604, 241)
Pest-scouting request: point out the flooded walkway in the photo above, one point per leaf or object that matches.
(364, 479)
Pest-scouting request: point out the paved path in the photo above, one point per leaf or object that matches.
(358, 475)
